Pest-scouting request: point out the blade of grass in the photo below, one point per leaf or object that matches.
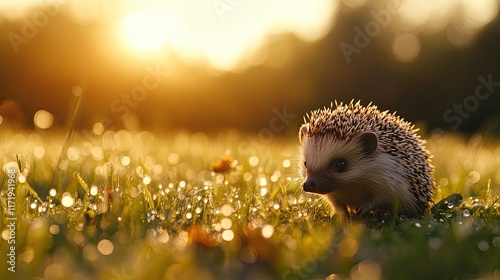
(70, 128)
(81, 182)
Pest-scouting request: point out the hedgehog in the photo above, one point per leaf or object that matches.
(363, 160)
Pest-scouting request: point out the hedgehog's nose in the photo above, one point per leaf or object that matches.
(309, 185)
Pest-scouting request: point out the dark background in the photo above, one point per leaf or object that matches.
(66, 53)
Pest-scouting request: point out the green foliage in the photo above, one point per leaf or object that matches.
(127, 205)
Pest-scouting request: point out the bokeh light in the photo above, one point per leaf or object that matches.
(54, 229)
(125, 160)
(67, 200)
(253, 161)
(227, 235)
(94, 190)
(348, 247)
(227, 210)
(366, 270)
(21, 178)
(43, 119)
(267, 231)
(248, 255)
(54, 271)
(226, 223)
(90, 252)
(105, 247)
(406, 47)
(39, 152)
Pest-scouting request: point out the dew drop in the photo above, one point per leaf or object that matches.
(21, 178)
(226, 223)
(253, 161)
(228, 235)
(226, 210)
(262, 181)
(105, 247)
(247, 176)
(146, 180)
(67, 200)
(125, 160)
(466, 213)
(267, 231)
(483, 246)
(43, 119)
(39, 152)
(263, 191)
(94, 190)
(54, 229)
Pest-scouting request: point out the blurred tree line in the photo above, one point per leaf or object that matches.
(438, 89)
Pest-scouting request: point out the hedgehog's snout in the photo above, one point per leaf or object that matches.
(309, 185)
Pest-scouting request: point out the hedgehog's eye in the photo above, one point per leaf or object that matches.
(340, 165)
(305, 163)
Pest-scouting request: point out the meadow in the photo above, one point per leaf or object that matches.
(138, 205)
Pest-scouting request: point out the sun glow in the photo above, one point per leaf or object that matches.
(236, 34)
(145, 30)
(226, 35)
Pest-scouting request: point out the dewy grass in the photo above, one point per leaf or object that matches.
(132, 205)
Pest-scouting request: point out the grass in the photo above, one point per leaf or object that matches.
(133, 205)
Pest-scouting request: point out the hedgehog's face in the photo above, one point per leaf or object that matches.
(329, 165)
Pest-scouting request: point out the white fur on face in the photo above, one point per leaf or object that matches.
(369, 182)
(319, 152)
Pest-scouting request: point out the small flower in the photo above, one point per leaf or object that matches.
(225, 164)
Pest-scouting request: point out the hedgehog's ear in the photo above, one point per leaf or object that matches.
(369, 141)
(304, 129)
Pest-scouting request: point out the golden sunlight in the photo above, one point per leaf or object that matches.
(232, 34)
(145, 29)
(223, 33)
